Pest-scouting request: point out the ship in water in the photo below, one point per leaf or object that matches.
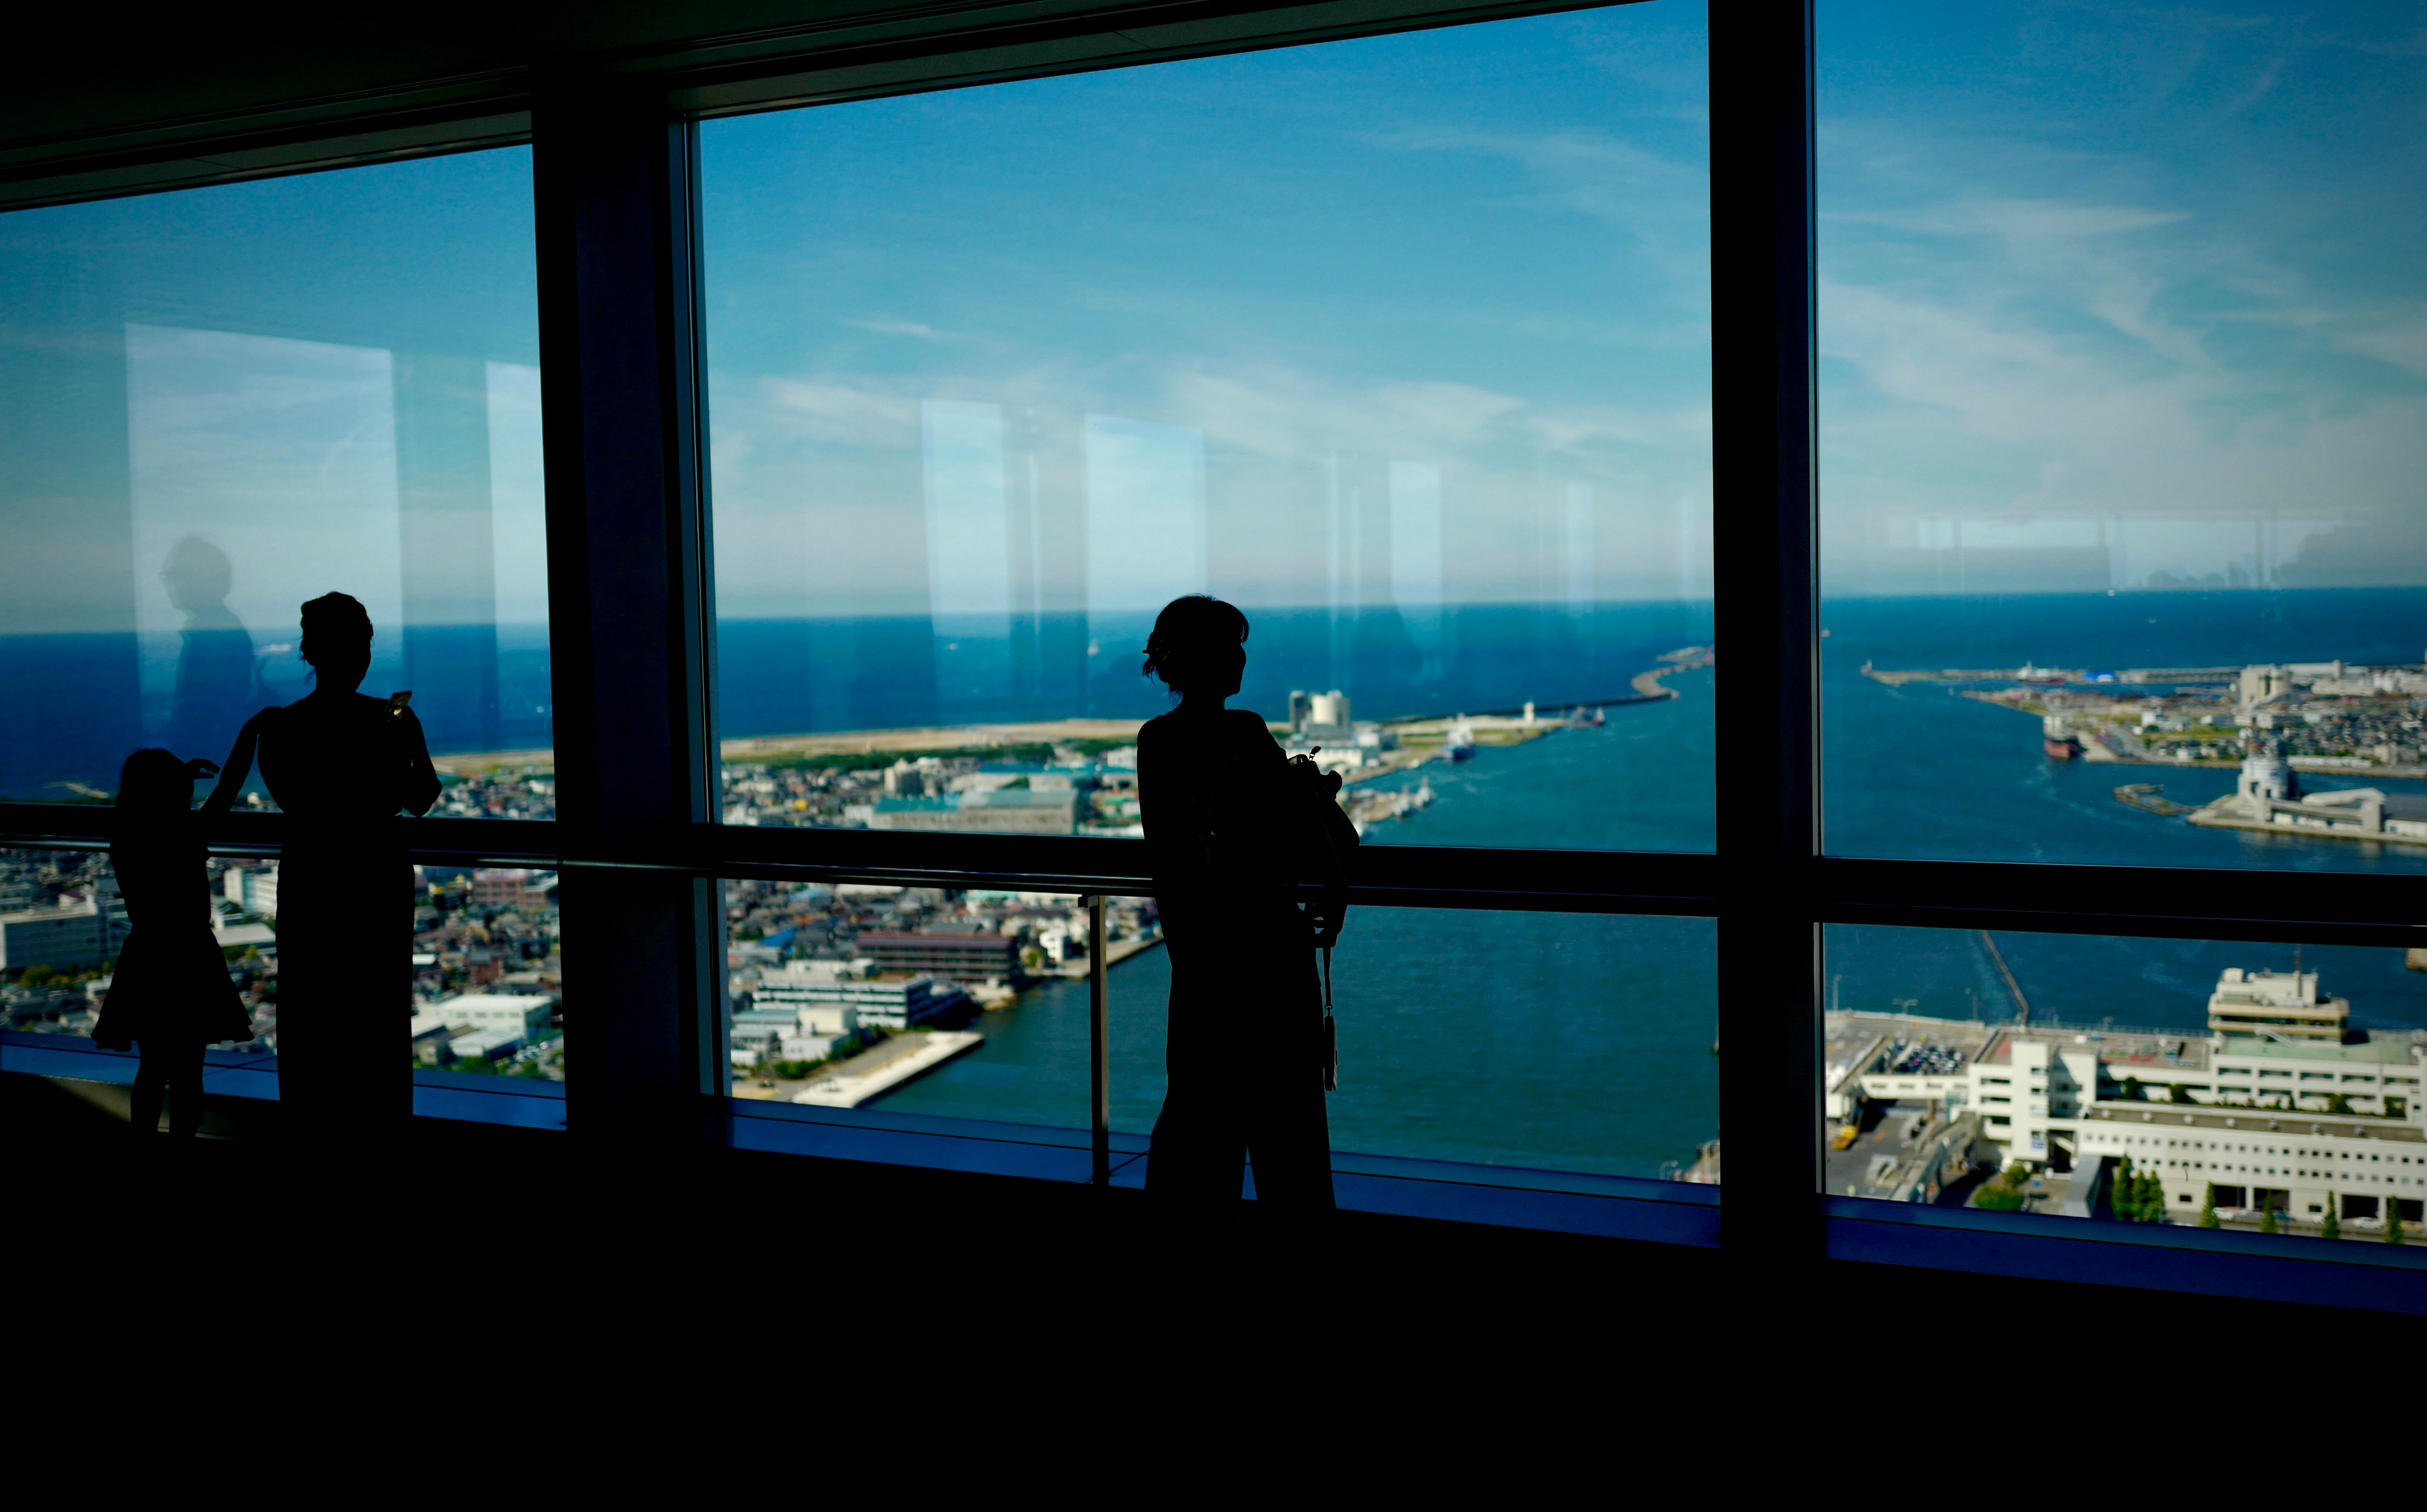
(2057, 737)
(1460, 743)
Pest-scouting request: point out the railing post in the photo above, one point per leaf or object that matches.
(1099, 1078)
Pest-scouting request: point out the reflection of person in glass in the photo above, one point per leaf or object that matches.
(1229, 832)
(169, 994)
(215, 668)
(340, 763)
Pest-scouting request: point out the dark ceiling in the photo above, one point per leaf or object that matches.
(155, 67)
(140, 100)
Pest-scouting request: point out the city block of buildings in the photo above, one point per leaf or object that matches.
(2280, 1107)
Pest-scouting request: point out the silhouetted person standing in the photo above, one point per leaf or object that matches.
(1229, 832)
(170, 993)
(214, 663)
(341, 764)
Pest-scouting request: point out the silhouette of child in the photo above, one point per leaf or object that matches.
(1231, 829)
(340, 764)
(169, 994)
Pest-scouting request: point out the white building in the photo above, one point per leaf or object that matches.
(2275, 1005)
(2280, 1119)
(252, 889)
(838, 997)
(75, 933)
(2268, 796)
(485, 1045)
(2261, 685)
(518, 1014)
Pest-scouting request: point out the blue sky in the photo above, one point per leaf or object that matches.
(2109, 296)
(1408, 320)
(1405, 296)
(2137, 281)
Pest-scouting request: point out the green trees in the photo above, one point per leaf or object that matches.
(2208, 1210)
(2133, 1091)
(2267, 1222)
(2005, 1193)
(2140, 1195)
(2393, 1231)
(2179, 1092)
(2334, 1223)
(2337, 1105)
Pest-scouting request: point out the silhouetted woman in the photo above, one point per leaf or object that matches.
(341, 764)
(168, 994)
(1230, 830)
(215, 680)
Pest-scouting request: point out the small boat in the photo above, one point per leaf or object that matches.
(1462, 742)
(2057, 737)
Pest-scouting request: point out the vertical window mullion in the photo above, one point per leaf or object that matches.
(627, 584)
(1764, 499)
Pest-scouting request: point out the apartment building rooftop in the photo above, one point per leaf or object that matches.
(2128, 1049)
(2379, 1048)
(2247, 1120)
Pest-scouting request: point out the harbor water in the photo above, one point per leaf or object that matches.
(1581, 1043)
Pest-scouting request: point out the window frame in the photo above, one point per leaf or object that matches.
(638, 842)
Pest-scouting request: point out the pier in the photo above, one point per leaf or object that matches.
(1115, 953)
(899, 1059)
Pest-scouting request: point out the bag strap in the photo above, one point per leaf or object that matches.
(1330, 1030)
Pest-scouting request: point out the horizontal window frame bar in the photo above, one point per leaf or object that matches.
(262, 152)
(2189, 901)
(864, 58)
(2312, 907)
(2350, 1274)
(1398, 876)
(2142, 926)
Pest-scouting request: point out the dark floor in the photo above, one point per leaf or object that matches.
(530, 1235)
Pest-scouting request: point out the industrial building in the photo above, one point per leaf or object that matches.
(2295, 1119)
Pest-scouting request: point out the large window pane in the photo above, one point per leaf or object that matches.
(2123, 388)
(218, 403)
(1400, 344)
(1550, 1043)
(2271, 1088)
(487, 966)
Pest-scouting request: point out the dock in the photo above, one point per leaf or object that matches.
(1115, 953)
(901, 1057)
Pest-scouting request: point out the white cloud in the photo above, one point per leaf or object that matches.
(2028, 358)
(898, 328)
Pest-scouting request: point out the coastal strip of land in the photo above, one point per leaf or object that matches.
(1490, 727)
(897, 1060)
